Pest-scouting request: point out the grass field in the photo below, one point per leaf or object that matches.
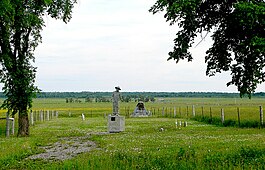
(143, 145)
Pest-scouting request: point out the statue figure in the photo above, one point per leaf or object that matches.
(115, 98)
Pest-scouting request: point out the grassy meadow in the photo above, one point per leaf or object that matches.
(143, 145)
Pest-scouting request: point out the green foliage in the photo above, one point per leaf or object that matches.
(21, 23)
(136, 95)
(238, 35)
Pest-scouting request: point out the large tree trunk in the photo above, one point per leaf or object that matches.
(23, 124)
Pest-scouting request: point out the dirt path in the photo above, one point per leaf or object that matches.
(66, 148)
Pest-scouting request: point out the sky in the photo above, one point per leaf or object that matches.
(119, 43)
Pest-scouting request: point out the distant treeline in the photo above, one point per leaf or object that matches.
(138, 94)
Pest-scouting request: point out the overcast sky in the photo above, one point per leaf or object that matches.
(119, 43)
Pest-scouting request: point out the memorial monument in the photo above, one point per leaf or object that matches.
(140, 110)
(116, 123)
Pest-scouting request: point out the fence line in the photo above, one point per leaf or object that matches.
(209, 114)
(34, 116)
(177, 112)
(41, 116)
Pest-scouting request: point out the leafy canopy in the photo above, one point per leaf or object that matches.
(21, 23)
(238, 34)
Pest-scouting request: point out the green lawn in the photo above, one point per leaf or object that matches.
(143, 145)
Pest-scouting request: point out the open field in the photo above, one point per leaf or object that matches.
(207, 109)
(143, 145)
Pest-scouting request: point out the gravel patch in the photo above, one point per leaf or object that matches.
(66, 148)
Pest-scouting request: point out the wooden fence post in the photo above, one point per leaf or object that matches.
(32, 117)
(222, 116)
(7, 124)
(40, 115)
(193, 111)
(48, 115)
(83, 116)
(52, 114)
(238, 116)
(211, 116)
(43, 115)
(13, 125)
(202, 112)
(37, 116)
(261, 115)
(175, 112)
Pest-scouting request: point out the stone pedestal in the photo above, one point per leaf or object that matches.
(116, 123)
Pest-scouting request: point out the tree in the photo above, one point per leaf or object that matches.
(88, 99)
(152, 99)
(21, 22)
(238, 34)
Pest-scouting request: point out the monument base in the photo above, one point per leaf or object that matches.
(140, 113)
(116, 123)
